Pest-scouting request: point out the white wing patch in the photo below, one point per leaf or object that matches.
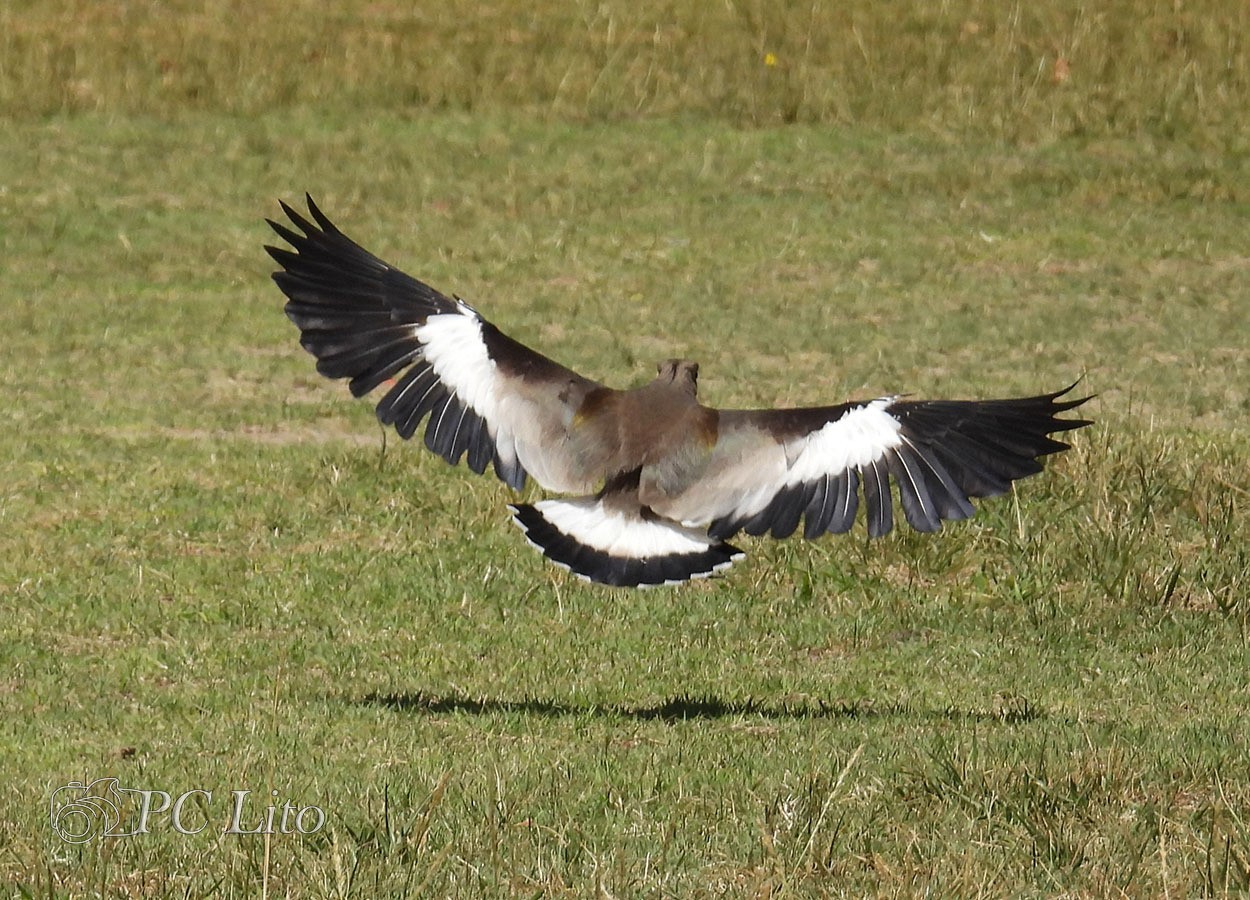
(861, 436)
(752, 467)
(455, 350)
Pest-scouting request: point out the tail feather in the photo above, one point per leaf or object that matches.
(608, 546)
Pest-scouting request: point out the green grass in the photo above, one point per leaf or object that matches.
(1018, 71)
(216, 573)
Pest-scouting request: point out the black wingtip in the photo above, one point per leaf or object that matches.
(1064, 405)
(1060, 406)
(300, 221)
(319, 217)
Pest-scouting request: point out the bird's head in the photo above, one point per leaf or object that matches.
(681, 372)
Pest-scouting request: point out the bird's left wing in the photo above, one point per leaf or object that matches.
(770, 468)
(488, 397)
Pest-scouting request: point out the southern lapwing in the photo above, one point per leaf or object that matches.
(661, 482)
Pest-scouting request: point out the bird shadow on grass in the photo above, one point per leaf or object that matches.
(685, 708)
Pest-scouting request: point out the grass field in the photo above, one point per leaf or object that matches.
(217, 573)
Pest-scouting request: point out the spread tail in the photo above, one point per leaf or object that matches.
(608, 546)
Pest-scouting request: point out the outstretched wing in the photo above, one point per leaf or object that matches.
(771, 468)
(486, 395)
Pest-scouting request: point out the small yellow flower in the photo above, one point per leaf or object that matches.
(770, 59)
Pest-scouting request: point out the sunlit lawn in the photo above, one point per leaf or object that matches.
(218, 574)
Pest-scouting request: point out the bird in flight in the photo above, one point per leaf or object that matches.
(660, 483)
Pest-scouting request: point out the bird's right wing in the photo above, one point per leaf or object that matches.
(487, 396)
(770, 468)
